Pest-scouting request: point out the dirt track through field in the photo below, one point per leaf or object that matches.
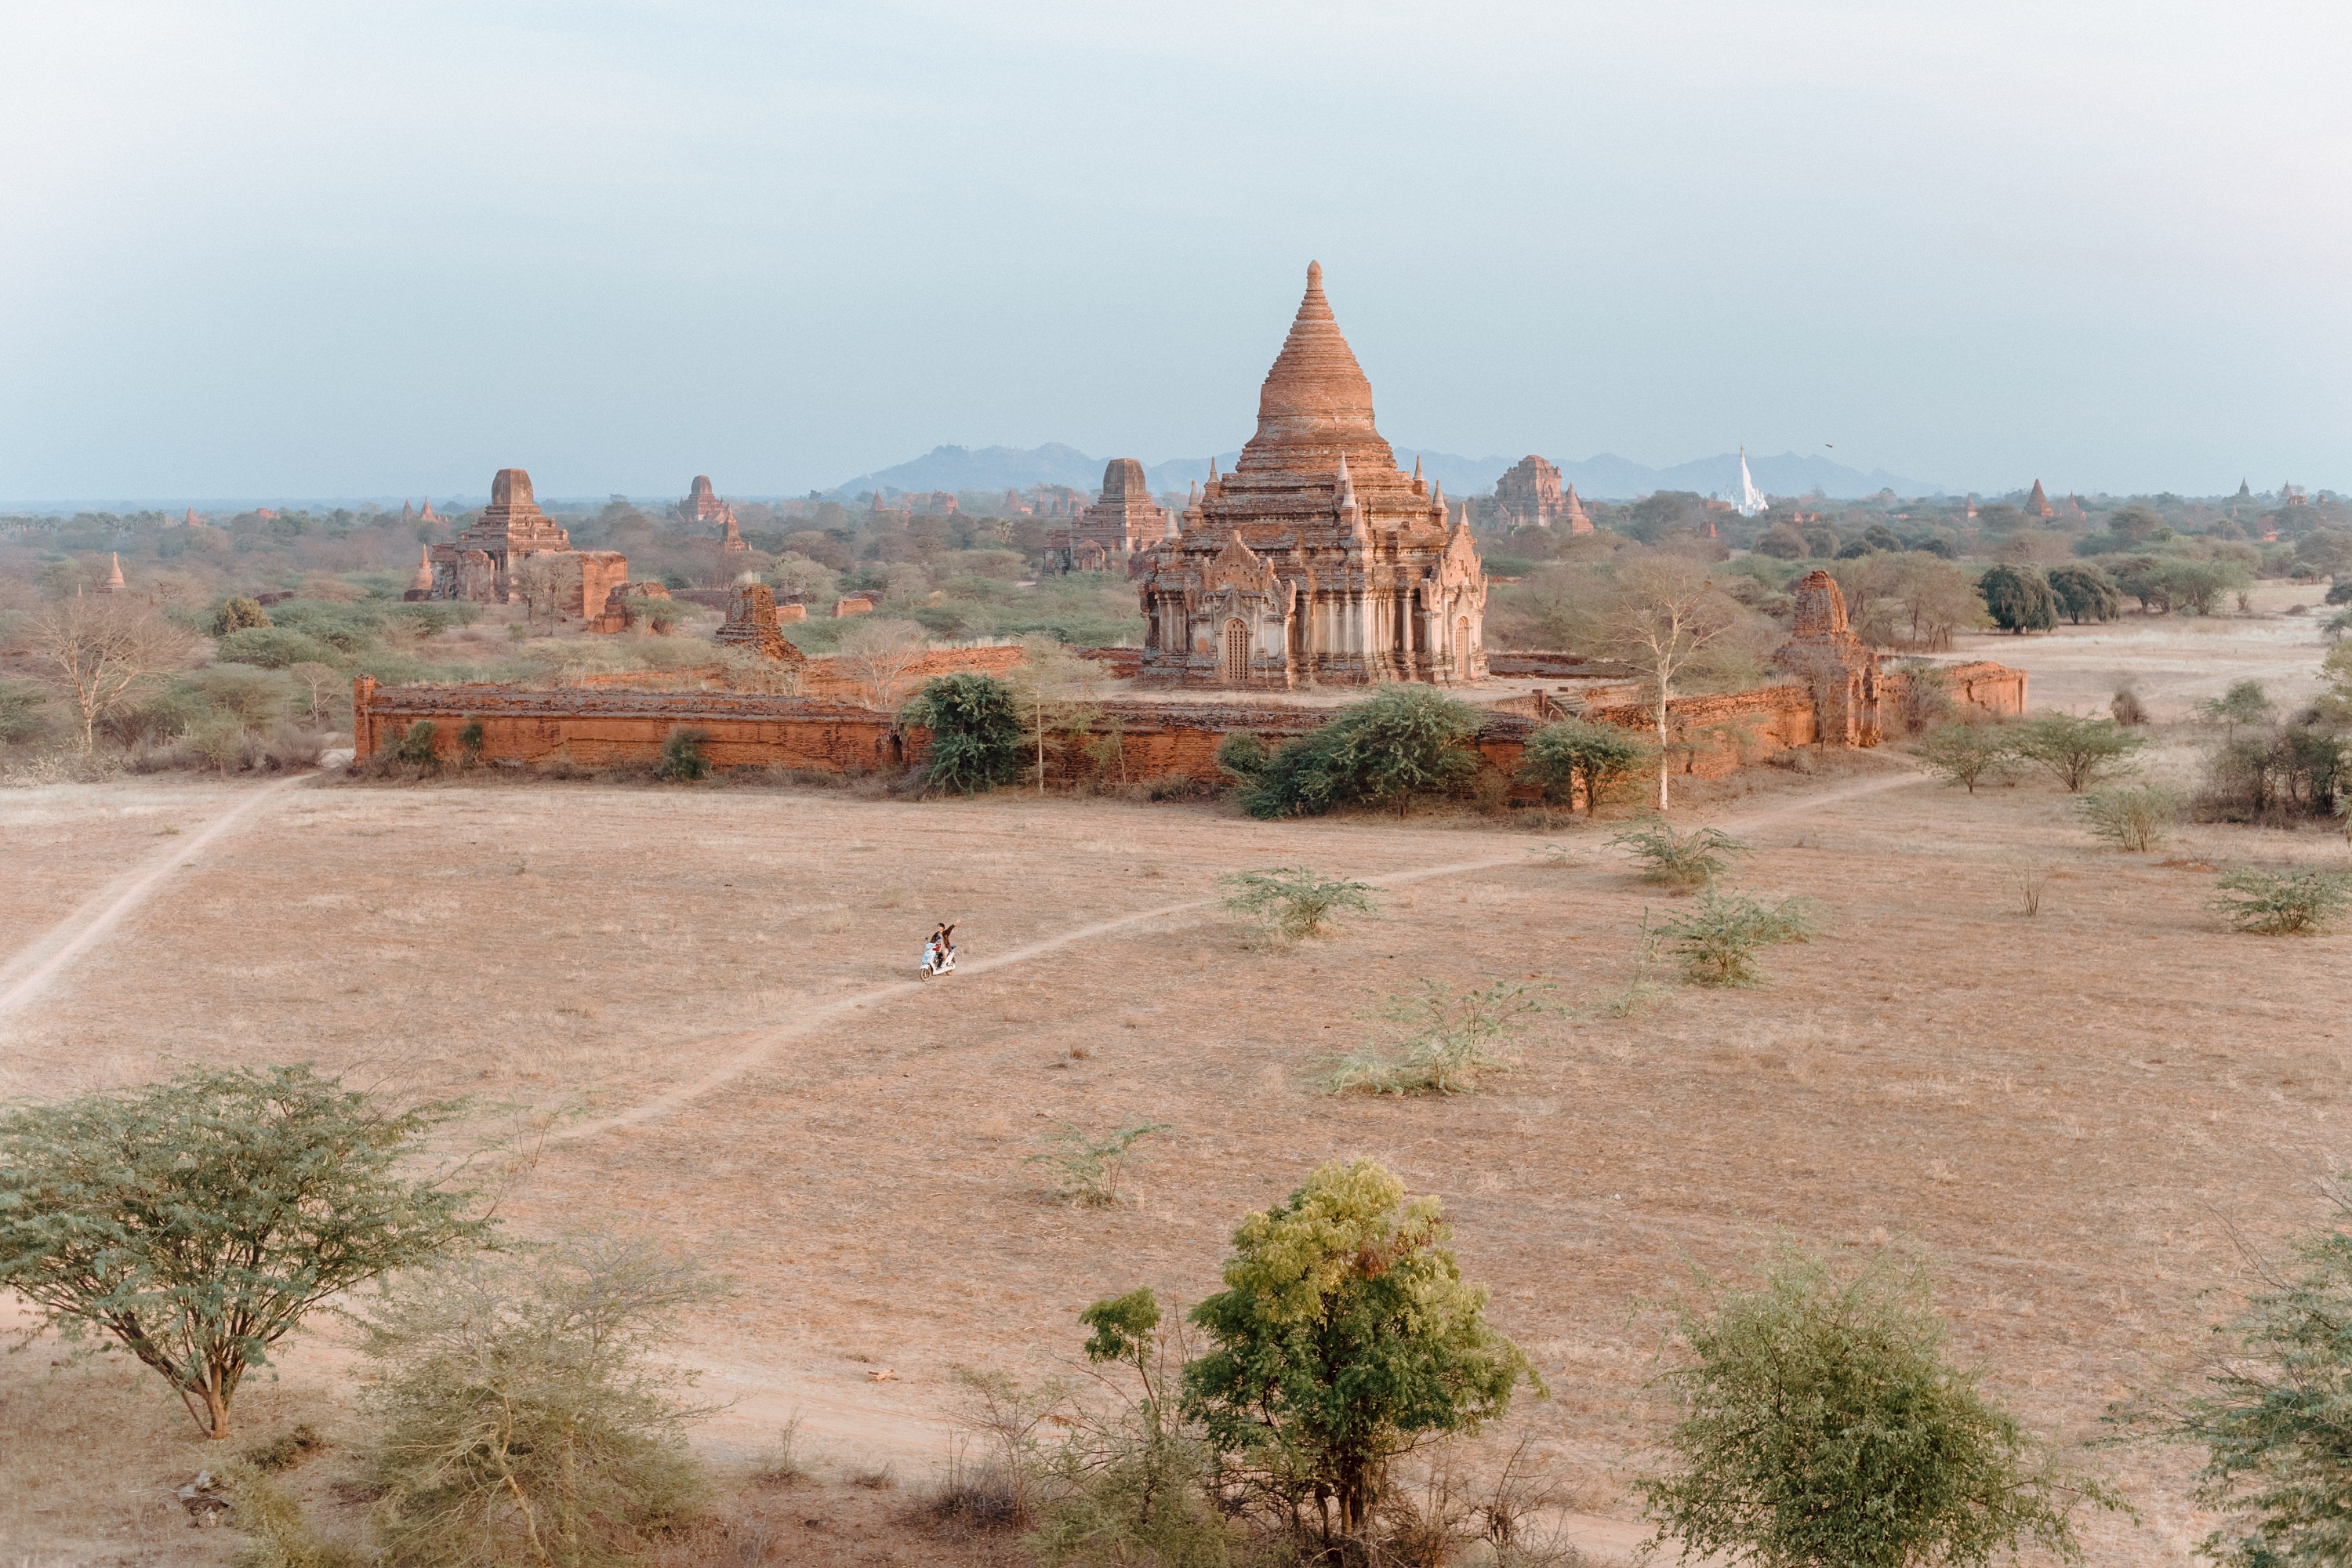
(758, 1046)
(32, 970)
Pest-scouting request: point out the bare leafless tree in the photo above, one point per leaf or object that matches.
(105, 647)
(549, 582)
(317, 676)
(1660, 614)
(880, 655)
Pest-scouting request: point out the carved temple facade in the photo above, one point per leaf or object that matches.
(1316, 560)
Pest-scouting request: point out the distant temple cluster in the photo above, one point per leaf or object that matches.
(1530, 496)
(1116, 529)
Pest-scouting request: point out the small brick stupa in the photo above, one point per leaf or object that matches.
(1124, 522)
(1315, 559)
(2038, 505)
(421, 587)
(114, 573)
(1837, 665)
(1573, 512)
(751, 624)
(1528, 496)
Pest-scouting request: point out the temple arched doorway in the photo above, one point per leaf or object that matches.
(1233, 666)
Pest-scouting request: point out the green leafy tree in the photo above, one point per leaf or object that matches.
(1345, 1336)
(2018, 598)
(2271, 1416)
(1402, 744)
(1963, 753)
(2077, 752)
(1572, 755)
(1823, 1426)
(524, 1412)
(199, 1220)
(975, 726)
(2084, 593)
(2244, 703)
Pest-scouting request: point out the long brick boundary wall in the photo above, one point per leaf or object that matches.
(607, 727)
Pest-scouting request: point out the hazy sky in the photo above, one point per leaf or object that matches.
(359, 250)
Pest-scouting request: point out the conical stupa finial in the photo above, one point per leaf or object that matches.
(1314, 275)
(1416, 464)
(114, 575)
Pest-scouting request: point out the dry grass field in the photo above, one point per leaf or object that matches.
(2080, 1114)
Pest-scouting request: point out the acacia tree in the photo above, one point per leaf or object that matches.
(197, 1221)
(2270, 1415)
(1660, 614)
(1345, 1336)
(881, 655)
(105, 647)
(1571, 752)
(1821, 1424)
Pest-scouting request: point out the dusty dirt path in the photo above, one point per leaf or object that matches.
(32, 970)
(755, 1046)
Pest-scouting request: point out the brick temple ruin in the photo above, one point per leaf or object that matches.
(483, 563)
(1114, 531)
(1316, 560)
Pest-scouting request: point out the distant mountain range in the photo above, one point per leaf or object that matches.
(1604, 478)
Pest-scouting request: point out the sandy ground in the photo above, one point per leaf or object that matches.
(2076, 1113)
(2174, 661)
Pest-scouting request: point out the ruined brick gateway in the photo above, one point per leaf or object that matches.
(1315, 559)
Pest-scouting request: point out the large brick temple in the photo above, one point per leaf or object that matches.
(1315, 559)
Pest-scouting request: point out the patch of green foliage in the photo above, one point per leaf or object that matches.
(2077, 752)
(1402, 743)
(1292, 902)
(1345, 1336)
(2018, 598)
(1570, 753)
(275, 648)
(2271, 1416)
(199, 1220)
(237, 613)
(1822, 1423)
(2084, 593)
(1441, 1039)
(1682, 861)
(683, 759)
(415, 746)
(2134, 820)
(1963, 753)
(975, 726)
(1091, 1169)
(2303, 901)
(1719, 937)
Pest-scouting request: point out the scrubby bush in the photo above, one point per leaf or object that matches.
(1402, 744)
(2076, 752)
(1090, 1170)
(23, 712)
(683, 759)
(1345, 1336)
(2270, 1414)
(1570, 753)
(416, 745)
(1682, 861)
(236, 614)
(1292, 902)
(2276, 774)
(277, 1529)
(2134, 820)
(1718, 939)
(1243, 756)
(524, 1411)
(2297, 902)
(1962, 754)
(975, 726)
(273, 647)
(1440, 1039)
(1821, 1422)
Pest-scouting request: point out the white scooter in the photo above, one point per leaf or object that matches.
(940, 954)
